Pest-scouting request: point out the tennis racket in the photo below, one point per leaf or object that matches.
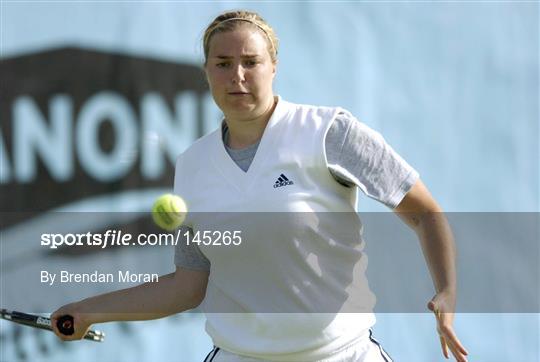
(64, 324)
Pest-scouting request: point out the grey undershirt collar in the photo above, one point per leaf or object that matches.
(241, 156)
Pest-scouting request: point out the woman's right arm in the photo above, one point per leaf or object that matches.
(173, 293)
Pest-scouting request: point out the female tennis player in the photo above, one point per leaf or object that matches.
(280, 297)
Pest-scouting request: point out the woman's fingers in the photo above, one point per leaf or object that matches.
(448, 337)
(446, 330)
(444, 347)
(443, 306)
(79, 324)
(451, 336)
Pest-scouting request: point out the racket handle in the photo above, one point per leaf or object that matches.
(65, 325)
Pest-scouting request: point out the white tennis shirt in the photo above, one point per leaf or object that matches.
(295, 288)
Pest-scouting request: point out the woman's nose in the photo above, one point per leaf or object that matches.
(238, 74)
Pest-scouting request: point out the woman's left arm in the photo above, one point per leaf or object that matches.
(421, 212)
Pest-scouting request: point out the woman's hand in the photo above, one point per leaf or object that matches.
(81, 322)
(174, 293)
(443, 305)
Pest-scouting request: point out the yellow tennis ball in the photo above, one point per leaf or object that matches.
(169, 211)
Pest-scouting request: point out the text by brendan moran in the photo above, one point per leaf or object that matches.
(97, 277)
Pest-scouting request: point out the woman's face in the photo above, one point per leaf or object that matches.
(240, 73)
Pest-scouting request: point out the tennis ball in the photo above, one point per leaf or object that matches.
(169, 212)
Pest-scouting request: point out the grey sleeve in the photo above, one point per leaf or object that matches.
(358, 155)
(189, 256)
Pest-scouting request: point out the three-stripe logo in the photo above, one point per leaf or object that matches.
(282, 181)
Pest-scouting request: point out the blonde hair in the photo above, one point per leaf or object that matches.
(229, 21)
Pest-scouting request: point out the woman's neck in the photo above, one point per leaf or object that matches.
(244, 133)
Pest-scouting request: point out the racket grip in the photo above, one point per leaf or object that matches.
(65, 325)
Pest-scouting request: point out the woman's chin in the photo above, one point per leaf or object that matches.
(241, 106)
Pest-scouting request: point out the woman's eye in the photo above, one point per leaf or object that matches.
(222, 65)
(251, 63)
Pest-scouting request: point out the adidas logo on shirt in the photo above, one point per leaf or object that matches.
(283, 181)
